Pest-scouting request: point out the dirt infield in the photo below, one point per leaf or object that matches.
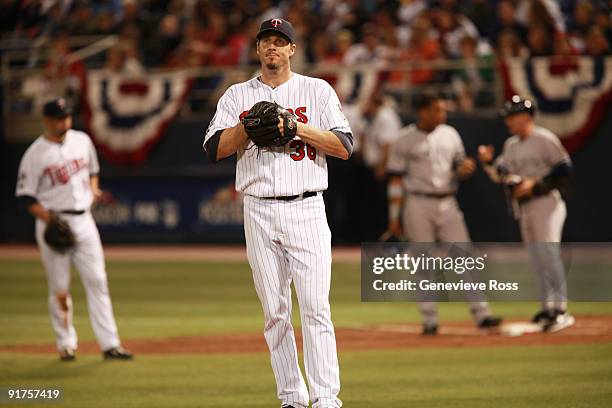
(587, 330)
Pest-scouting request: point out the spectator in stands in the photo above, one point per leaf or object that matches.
(318, 48)
(166, 38)
(342, 43)
(602, 19)
(542, 12)
(506, 22)
(539, 41)
(472, 82)
(346, 15)
(131, 15)
(268, 10)
(564, 55)
(596, 42)
(423, 47)
(453, 27)
(61, 64)
(381, 133)
(410, 10)
(582, 18)
(369, 50)
(509, 45)
(82, 20)
(193, 51)
(106, 24)
(377, 139)
(481, 13)
(385, 23)
(123, 59)
(56, 14)
(232, 48)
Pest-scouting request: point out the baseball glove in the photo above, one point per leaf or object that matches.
(261, 124)
(58, 234)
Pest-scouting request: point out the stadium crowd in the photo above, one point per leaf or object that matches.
(204, 33)
(219, 33)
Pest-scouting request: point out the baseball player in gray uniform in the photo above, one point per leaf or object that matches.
(58, 181)
(427, 161)
(534, 166)
(287, 235)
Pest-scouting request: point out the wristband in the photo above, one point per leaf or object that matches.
(394, 211)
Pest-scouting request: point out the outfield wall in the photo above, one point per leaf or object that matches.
(178, 196)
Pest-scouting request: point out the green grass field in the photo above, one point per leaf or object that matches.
(166, 299)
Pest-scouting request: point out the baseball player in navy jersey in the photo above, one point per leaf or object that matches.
(58, 178)
(287, 236)
(534, 166)
(426, 163)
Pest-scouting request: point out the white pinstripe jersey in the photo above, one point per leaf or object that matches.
(296, 167)
(57, 174)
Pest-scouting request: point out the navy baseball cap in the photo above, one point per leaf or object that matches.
(279, 25)
(518, 105)
(57, 108)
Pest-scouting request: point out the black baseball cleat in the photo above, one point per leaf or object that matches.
(543, 317)
(287, 406)
(67, 354)
(430, 330)
(490, 322)
(117, 353)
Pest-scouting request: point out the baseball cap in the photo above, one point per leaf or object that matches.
(279, 25)
(57, 108)
(518, 105)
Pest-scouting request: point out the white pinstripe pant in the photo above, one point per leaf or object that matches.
(88, 258)
(291, 241)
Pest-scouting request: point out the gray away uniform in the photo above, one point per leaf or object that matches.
(541, 218)
(427, 163)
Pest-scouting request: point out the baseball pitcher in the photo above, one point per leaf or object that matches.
(282, 125)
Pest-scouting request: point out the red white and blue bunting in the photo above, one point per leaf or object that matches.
(572, 98)
(127, 115)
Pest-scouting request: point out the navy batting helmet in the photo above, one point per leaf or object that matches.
(518, 105)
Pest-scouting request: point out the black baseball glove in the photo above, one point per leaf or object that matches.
(261, 124)
(58, 234)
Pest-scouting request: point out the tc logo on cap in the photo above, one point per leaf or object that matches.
(276, 22)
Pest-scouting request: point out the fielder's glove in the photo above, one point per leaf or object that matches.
(261, 124)
(58, 234)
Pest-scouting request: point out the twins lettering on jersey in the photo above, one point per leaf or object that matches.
(61, 174)
(300, 149)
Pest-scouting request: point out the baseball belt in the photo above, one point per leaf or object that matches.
(431, 195)
(293, 197)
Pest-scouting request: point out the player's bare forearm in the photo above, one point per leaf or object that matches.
(39, 211)
(323, 140)
(466, 168)
(485, 157)
(230, 141)
(94, 182)
(492, 172)
(395, 195)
